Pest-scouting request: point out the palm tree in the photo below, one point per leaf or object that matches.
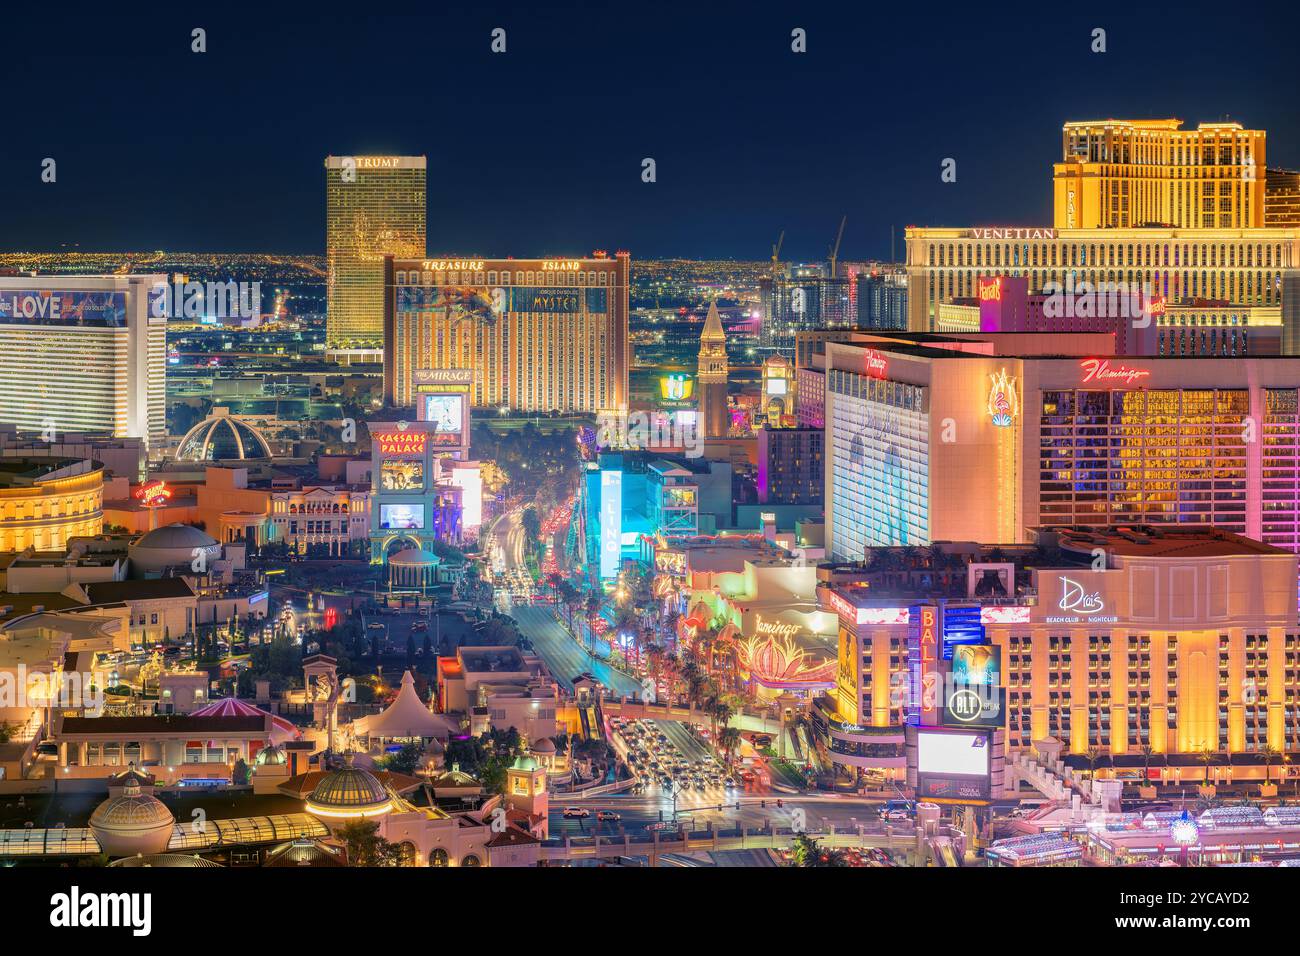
(1271, 753)
(729, 740)
(1206, 756)
(1147, 752)
(1093, 755)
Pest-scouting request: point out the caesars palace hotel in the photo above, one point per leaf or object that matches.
(1242, 266)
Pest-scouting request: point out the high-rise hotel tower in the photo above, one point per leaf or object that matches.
(84, 354)
(374, 206)
(1177, 213)
(539, 334)
(1126, 174)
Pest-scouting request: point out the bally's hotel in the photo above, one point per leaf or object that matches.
(84, 354)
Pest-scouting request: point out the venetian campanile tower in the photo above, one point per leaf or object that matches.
(712, 377)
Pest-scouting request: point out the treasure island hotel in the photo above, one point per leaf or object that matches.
(539, 334)
(1132, 636)
(375, 206)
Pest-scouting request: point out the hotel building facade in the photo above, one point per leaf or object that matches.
(980, 437)
(1125, 174)
(374, 206)
(1179, 639)
(84, 354)
(1178, 213)
(1242, 266)
(539, 334)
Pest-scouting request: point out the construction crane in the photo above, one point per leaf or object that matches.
(776, 254)
(835, 249)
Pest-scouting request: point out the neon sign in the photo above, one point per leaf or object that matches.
(1076, 600)
(991, 290)
(775, 628)
(1012, 614)
(153, 493)
(677, 387)
(883, 615)
(877, 364)
(401, 443)
(1003, 404)
(1099, 370)
(455, 265)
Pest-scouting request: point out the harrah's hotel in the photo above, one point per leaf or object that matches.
(539, 334)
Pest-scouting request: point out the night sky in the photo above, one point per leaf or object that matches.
(538, 151)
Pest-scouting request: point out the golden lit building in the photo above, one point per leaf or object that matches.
(374, 206)
(1122, 174)
(1185, 642)
(1242, 266)
(46, 501)
(539, 334)
(712, 376)
(1282, 198)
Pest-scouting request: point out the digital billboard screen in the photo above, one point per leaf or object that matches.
(974, 696)
(961, 625)
(64, 308)
(445, 412)
(401, 517)
(397, 474)
(566, 299)
(962, 755)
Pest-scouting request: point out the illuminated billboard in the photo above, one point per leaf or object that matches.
(973, 696)
(611, 522)
(953, 766)
(446, 413)
(64, 308)
(401, 442)
(566, 299)
(401, 517)
(961, 625)
(965, 755)
(397, 474)
(675, 388)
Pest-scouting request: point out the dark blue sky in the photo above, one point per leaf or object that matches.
(539, 151)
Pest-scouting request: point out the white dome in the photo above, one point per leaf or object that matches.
(133, 823)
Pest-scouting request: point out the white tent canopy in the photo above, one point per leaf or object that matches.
(406, 717)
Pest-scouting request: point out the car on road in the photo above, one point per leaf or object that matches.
(608, 816)
(376, 626)
(896, 814)
(578, 812)
(729, 783)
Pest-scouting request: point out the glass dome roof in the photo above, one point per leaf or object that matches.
(222, 438)
(350, 791)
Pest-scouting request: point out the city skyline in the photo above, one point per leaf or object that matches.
(785, 156)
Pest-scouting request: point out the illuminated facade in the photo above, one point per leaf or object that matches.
(1282, 198)
(1186, 641)
(100, 335)
(1122, 174)
(713, 375)
(374, 207)
(44, 502)
(916, 452)
(538, 334)
(321, 519)
(1236, 265)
